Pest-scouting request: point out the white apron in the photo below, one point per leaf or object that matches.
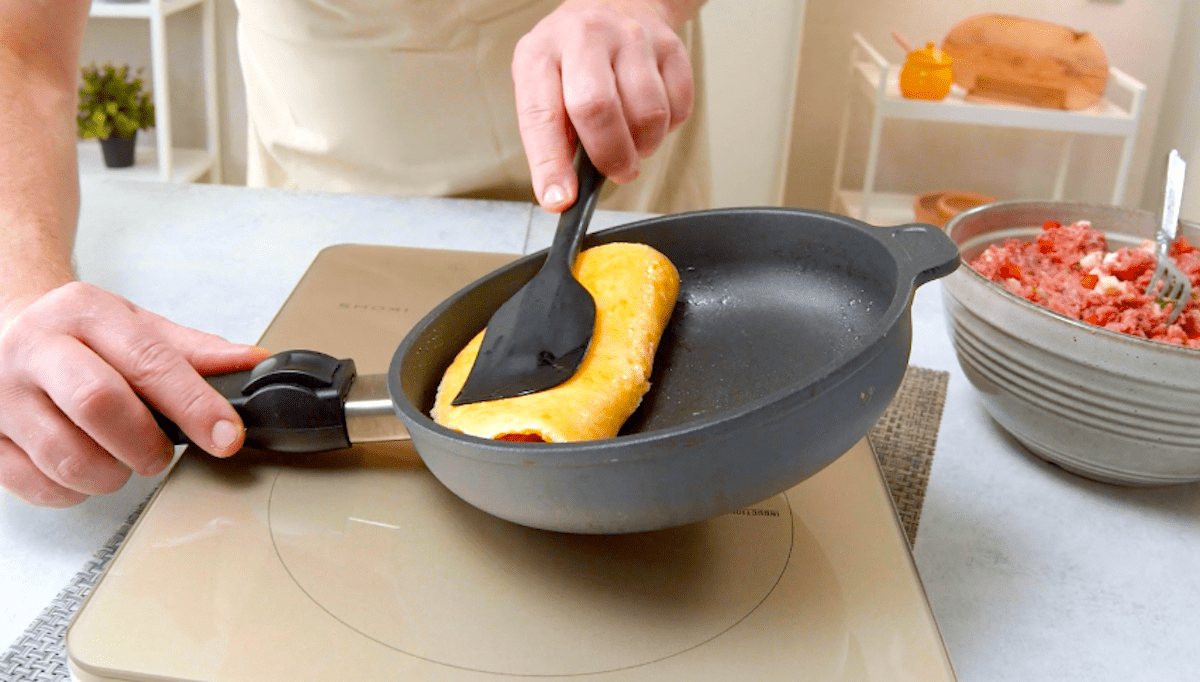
(415, 97)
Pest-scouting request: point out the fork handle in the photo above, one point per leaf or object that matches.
(1172, 197)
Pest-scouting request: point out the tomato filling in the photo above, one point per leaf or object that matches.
(521, 437)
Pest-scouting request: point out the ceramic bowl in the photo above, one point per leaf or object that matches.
(937, 208)
(1102, 404)
(925, 208)
(953, 202)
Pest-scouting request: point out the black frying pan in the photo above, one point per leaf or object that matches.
(790, 337)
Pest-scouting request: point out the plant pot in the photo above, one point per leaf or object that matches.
(118, 151)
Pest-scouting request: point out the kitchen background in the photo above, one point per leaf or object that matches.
(777, 74)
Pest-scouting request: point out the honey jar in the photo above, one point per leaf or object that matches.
(926, 74)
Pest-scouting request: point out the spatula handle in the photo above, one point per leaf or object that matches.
(573, 222)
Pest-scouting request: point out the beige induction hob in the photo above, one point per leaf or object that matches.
(358, 565)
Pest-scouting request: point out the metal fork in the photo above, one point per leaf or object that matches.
(1176, 287)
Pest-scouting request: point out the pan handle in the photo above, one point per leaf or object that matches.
(923, 252)
(294, 401)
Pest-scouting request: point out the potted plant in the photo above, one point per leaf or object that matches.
(112, 108)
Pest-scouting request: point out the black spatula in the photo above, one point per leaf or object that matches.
(537, 339)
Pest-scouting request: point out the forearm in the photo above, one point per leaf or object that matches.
(677, 12)
(39, 188)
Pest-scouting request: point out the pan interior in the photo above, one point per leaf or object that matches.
(739, 334)
(769, 303)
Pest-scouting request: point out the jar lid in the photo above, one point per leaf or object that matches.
(930, 56)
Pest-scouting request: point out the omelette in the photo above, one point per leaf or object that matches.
(634, 287)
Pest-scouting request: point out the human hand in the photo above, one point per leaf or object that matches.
(611, 73)
(73, 364)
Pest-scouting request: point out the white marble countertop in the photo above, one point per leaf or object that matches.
(1033, 573)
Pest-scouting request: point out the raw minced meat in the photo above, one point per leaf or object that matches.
(1069, 270)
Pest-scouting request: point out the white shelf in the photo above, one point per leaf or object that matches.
(182, 164)
(187, 165)
(887, 208)
(1105, 118)
(878, 82)
(139, 9)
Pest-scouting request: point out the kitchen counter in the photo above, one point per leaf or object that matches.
(1033, 573)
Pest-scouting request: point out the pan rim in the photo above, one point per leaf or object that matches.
(585, 453)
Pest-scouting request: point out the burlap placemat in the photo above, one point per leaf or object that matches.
(903, 440)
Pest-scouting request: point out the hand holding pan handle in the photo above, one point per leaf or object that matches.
(294, 401)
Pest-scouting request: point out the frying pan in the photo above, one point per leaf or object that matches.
(790, 336)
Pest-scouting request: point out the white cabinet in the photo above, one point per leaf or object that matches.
(877, 81)
(164, 160)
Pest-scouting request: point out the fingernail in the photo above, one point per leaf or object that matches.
(553, 195)
(224, 434)
(628, 176)
(56, 497)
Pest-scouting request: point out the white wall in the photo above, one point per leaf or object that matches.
(1178, 124)
(751, 50)
(1137, 36)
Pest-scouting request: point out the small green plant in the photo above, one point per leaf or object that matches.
(111, 104)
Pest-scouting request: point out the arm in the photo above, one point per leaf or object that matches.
(39, 193)
(76, 360)
(612, 74)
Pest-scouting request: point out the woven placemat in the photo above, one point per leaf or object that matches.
(903, 440)
(39, 654)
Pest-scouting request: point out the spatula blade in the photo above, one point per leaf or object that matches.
(535, 341)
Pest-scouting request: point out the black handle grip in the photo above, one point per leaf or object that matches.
(294, 401)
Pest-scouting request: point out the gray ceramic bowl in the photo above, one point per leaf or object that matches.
(1105, 405)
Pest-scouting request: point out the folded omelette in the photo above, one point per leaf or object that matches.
(634, 287)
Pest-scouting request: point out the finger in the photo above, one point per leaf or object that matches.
(594, 107)
(542, 122)
(206, 353)
(676, 71)
(643, 96)
(107, 419)
(60, 450)
(22, 478)
(156, 369)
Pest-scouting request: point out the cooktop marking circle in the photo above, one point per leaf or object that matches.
(385, 549)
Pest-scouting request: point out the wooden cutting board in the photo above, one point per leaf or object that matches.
(1025, 61)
